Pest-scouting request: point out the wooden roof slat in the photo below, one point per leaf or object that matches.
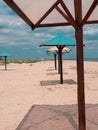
(94, 4)
(96, 1)
(92, 22)
(65, 16)
(53, 24)
(13, 5)
(67, 11)
(78, 11)
(46, 14)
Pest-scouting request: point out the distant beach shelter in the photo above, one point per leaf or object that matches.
(55, 55)
(60, 41)
(5, 55)
(53, 51)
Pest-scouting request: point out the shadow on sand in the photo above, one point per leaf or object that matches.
(7, 70)
(55, 82)
(58, 117)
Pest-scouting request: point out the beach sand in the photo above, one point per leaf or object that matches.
(25, 85)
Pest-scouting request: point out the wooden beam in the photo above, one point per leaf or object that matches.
(68, 12)
(91, 9)
(5, 58)
(53, 25)
(46, 14)
(55, 61)
(65, 16)
(92, 22)
(80, 65)
(96, 1)
(15, 7)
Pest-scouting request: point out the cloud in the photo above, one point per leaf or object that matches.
(15, 33)
(91, 41)
(13, 30)
(91, 34)
(42, 35)
(91, 30)
(25, 48)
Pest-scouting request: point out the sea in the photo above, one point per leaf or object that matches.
(30, 52)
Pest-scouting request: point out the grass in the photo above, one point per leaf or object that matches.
(19, 61)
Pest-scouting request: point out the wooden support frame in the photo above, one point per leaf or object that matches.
(53, 25)
(68, 17)
(94, 4)
(46, 14)
(68, 13)
(92, 22)
(14, 6)
(72, 22)
(80, 66)
(65, 16)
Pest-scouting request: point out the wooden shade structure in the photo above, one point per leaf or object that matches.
(5, 55)
(55, 55)
(54, 52)
(76, 13)
(60, 41)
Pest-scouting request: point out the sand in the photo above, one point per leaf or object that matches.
(25, 85)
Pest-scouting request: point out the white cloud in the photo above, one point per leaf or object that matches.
(39, 34)
(91, 31)
(25, 48)
(5, 30)
(42, 35)
(90, 41)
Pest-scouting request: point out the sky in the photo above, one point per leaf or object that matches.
(17, 38)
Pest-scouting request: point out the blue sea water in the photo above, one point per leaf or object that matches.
(32, 53)
(91, 59)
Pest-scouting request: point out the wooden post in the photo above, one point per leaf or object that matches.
(60, 63)
(5, 62)
(80, 65)
(80, 78)
(55, 61)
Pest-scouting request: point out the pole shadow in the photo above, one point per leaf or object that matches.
(55, 82)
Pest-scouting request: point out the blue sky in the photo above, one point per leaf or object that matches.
(17, 38)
